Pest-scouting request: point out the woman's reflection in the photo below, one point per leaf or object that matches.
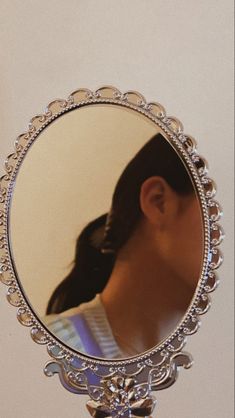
(136, 268)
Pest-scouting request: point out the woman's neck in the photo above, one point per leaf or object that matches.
(143, 300)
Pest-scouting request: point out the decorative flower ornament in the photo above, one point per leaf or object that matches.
(122, 398)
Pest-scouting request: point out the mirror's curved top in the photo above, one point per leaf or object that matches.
(123, 209)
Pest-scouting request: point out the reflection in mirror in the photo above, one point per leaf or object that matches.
(113, 232)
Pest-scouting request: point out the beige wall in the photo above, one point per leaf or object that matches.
(175, 52)
(66, 181)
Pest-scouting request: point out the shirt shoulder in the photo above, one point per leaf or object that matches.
(63, 328)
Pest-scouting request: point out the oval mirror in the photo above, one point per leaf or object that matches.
(110, 220)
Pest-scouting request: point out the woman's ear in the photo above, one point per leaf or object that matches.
(157, 200)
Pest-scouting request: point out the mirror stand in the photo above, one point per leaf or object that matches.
(116, 391)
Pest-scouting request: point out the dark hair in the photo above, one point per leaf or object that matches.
(100, 240)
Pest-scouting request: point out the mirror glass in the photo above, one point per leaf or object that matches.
(106, 231)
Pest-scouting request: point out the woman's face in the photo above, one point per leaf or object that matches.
(175, 228)
(184, 240)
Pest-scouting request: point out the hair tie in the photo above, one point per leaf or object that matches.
(107, 244)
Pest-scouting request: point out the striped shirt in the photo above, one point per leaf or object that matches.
(85, 329)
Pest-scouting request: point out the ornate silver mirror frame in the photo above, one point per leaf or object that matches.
(117, 388)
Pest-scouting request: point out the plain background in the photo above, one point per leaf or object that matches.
(176, 52)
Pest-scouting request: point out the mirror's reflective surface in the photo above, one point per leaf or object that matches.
(109, 286)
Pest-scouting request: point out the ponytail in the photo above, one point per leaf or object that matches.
(90, 273)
